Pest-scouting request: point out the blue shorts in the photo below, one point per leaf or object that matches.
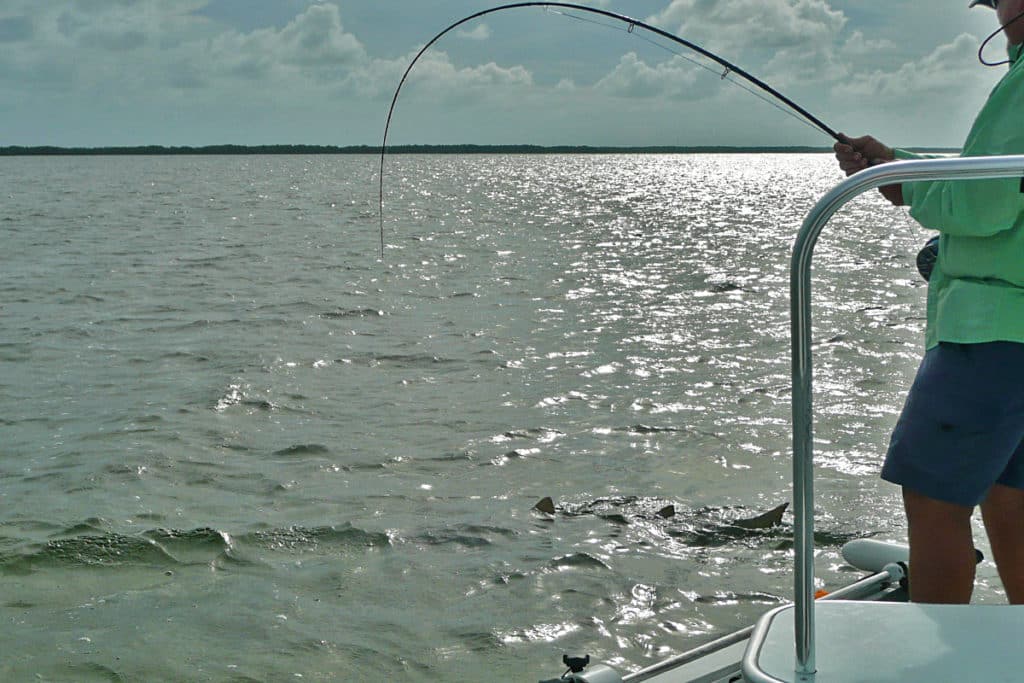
(962, 427)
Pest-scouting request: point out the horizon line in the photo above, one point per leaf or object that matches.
(227, 149)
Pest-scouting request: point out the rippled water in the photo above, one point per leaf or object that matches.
(237, 446)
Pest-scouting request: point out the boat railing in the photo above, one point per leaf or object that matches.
(960, 168)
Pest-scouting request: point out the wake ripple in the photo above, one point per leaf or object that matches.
(325, 539)
(107, 550)
(172, 547)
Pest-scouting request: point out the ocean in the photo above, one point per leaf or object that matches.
(239, 445)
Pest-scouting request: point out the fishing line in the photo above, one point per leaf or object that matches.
(724, 75)
(632, 25)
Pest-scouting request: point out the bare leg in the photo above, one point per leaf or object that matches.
(1003, 512)
(941, 550)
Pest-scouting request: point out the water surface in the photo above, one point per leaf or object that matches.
(238, 446)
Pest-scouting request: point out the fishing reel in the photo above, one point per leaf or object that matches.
(927, 256)
(599, 673)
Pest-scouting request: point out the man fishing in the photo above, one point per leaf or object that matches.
(959, 441)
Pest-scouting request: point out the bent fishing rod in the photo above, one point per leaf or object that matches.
(632, 24)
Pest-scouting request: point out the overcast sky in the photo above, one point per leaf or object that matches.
(199, 72)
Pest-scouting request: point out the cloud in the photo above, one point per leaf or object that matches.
(480, 32)
(436, 75)
(315, 40)
(76, 46)
(104, 24)
(632, 77)
(147, 60)
(784, 42)
(906, 98)
(858, 45)
(173, 51)
(953, 63)
(773, 24)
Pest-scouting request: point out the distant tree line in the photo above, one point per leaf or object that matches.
(208, 149)
(405, 149)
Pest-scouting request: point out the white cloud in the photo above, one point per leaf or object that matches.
(314, 44)
(566, 86)
(858, 45)
(930, 101)
(140, 60)
(436, 79)
(437, 75)
(78, 45)
(784, 42)
(479, 32)
(113, 25)
(172, 50)
(934, 74)
(633, 77)
(774, 24)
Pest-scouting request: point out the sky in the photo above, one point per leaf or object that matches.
(92, 73)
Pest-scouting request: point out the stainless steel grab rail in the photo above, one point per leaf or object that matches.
(800, 308)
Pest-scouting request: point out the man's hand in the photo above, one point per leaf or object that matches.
(856, 154)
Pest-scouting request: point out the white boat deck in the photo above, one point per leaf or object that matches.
(879, 642)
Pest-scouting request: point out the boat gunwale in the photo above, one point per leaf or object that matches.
(897, 172)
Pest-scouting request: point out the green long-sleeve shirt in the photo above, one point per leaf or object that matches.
(976, 290)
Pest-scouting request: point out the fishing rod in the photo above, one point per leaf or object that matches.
(632, 24)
